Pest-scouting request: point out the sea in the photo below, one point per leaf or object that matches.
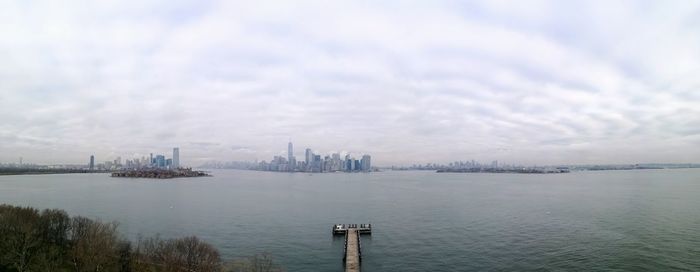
(627, 220)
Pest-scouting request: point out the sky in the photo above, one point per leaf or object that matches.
(526, 82)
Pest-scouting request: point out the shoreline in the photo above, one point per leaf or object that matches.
(53, 172)
(160, 174)
(496, 171)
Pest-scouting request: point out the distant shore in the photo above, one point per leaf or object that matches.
(553, 169)
(506, 171)
(143, 173)
(32, 171)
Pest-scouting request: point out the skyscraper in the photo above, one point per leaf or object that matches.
(176, 157)
(309, 157)
(365, 163)
(317, 164)
(292, 164)
(92, 162)
(290, 152)
(160, 161)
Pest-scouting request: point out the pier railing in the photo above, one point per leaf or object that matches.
(340, 229)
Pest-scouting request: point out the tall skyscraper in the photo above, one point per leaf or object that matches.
(176, 157)
(365, 163)
(290, 152)
(317, 164)
(309, 157)
(92, 162)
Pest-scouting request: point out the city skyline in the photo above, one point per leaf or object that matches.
(312, 162)
(536, 83)
(136, 162)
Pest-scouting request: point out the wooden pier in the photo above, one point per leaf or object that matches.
(353, 249)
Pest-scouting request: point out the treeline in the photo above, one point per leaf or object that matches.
(51, 240)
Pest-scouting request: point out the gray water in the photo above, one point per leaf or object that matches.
(643, 220)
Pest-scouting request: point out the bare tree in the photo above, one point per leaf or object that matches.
(198, 255)
(94, 245)
(185, 254)
(21, 236)
(54, 225)
(53, 241)
(125, 257)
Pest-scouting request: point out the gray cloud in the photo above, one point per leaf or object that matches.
(546, 82)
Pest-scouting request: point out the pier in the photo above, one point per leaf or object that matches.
(353, 249)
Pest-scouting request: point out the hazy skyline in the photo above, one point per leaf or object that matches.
(533, 82)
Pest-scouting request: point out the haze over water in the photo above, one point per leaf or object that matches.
(644, 220)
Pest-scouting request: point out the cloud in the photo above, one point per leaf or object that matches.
(546, 82)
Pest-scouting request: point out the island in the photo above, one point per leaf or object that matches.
(160, 173)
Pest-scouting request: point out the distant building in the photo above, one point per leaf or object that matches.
(91, 166)
(176, 157)
(365, 163)
(160, 161)
(317, 165)
(290, 157)
(309, 157)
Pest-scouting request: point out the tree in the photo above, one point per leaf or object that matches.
(125, 256)
(184, 254)
(54, 225)
(94, 245)
(53, 241)
(21, 236)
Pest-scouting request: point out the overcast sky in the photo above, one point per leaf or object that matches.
(531, 82)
